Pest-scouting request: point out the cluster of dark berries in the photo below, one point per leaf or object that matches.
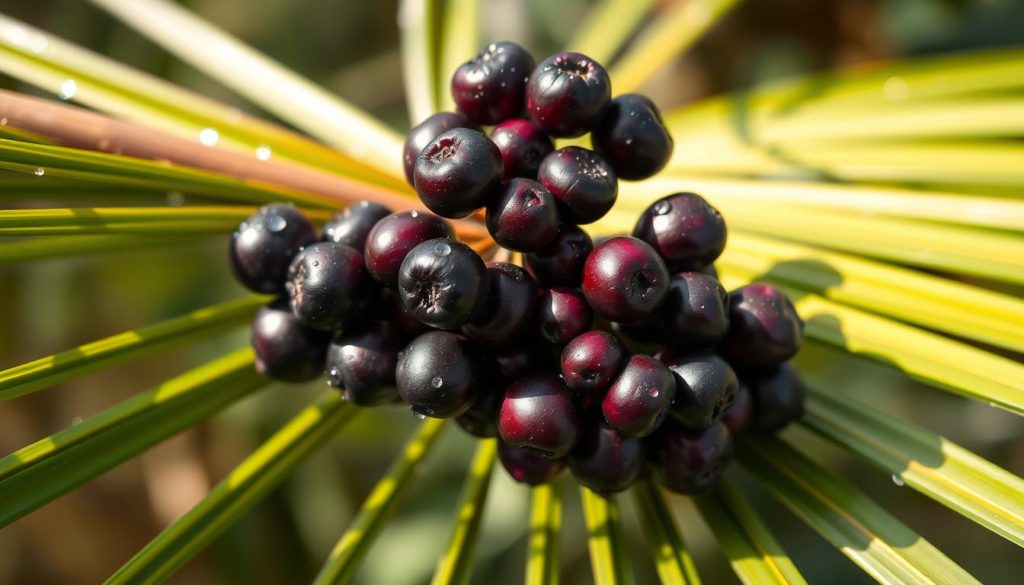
(532, 193)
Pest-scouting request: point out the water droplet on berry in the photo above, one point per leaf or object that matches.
(419, 415)
(654, 392)
(662, 207)
(437, 382)
(442, 249)
(275, 223)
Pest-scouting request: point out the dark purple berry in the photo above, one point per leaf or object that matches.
(419, 137)
(491, 87)
(633, 138)
(563, 315)
(639, 399)
(764, 328)
(520, 361)
(688, 461)
(352, 225)
(738, 416)
(439, 374)
(443, 283)
(328, 285)
(509, 309)
(523, 145)
(705, 388)
(286, 349)
(591, 362)
(538, 413)
(560, 263)
(624, 280)
(392, 238)
(583, 183)
(567, 94)
(361, 363)
(522, 216)
(264, 244)
(481, 418)
(685, 229)
(778, 398)
(710, 270)
(528, 467)
(605, 460)
(457, 172)
(694, 314)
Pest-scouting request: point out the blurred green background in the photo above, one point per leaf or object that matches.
(351, 47)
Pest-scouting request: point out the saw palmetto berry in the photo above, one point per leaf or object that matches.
(610, 359)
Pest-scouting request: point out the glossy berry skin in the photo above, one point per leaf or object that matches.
(264, 245)
(624, 280)
(419, 137)
(509, 309)
(560, 263)
(392, 238)
(287, 350)
(491, 87)
(778, 398)
(563, 315)
(521, 360)
(328, 285)
(528, 467)
(632, 137)
(522, 145)
(690, 462)
(584, 184)
(361, 363)
(352, 225)
(639, 399)
(605, 460)
(538, 413)
(685, 230)
(694, 314)
(481, 418)
(567, 94)
(522, 216)
(764, 328)
(443, 283)
(457, 172)
(591, 362)
(706, 387)
(739, 416)
(439, 374)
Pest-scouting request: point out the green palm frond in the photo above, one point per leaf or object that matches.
(883, 200)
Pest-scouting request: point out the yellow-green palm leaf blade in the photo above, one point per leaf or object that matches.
(456, 564)
(944, 471)
(671, 557)
(748, 544)
(46, 469)
(107, 352)
(878, 543)
(609, 559)
(79, 75)
(239, 492)
(459, 42)
(418, 23)
(380, 505)
(542, 557)
(30, 249)
(263, 81)
(670, 33)
(607, 27)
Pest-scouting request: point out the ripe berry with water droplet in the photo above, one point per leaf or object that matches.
(443, 283)
(491, 86)
(264, 244)
(439, 374)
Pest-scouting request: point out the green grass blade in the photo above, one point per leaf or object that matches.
(263, 81)
(671, 557)
(456, 565)
(669, 35)
(122, 347)
(608, 26)
(33, 249)
(606, 540)
(542, 558)
(863, 531)
(419, 27)
(944, 471)
(380, 505)
(459, 42)
(239, 492)
(217, 220)
(46, 469)
(748, 544)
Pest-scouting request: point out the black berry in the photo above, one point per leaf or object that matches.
(481, 418)
(694, 314)
(392, 238)
(633, 138)
(527, 466)
(361, 363)
(738, 416)
(764, 328)
(583, 183)
(567, 94)
(419, 137)
(286, 349)
(457, 172)
(777, 398)
(705, 388)
(560, 263)
(605, 460)
(509, 309)
(443, 283)
(591, 362)
(639, 399)
(352, 225)
(522, 216)
(563, 315)
(522, 145)
(537, 413)
(624, 280)
(264, 244)
(439, 374)
(328, 285)
(491, 87)
(685, 229)
(688, 461)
